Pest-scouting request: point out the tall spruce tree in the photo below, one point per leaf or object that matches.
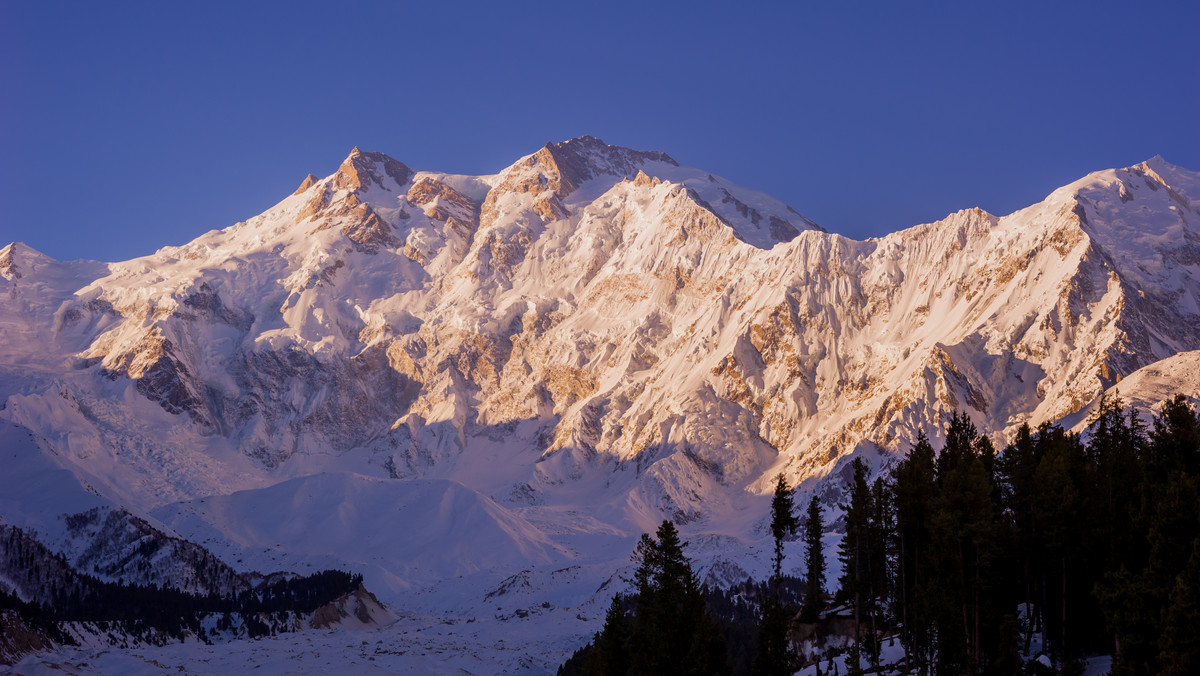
(966, 541)
(610, 649)
(1015, 470)
(1060, 479)
(913, 493)
(1179, 649)
(1150, 603)
(1112, 498)
(1176, 441)
(783, 524)
(879, 562)
(814, 562)
(672, 632)
(854, 551)
(775, 656)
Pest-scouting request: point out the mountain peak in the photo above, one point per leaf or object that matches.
(362, 169)
(560, 168)
(1184, 183)
(19, 257)
(306, 184)
(585, 157)
(1144, 179)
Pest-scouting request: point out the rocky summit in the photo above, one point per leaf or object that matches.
(430, 378)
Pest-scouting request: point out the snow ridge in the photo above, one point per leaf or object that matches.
(549, 360)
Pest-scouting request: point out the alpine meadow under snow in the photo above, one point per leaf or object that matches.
(478, 391)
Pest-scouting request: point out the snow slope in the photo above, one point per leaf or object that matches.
(419, 530)
(1146, 389)
(465, 385)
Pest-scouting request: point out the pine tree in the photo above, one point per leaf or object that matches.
(1015, 470)
(648, 638)
(1060, 482)
(775, 656)
(783, 523)
(814, 562)
(854, 552)
(609, 655)
(1179, 651)
(879, 567)
(966, 537)
(913, 493)
(1176, 440)
(672, 632)
(1151, 602)
(1114, 452)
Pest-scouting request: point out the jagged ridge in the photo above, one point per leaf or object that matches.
(592, 308)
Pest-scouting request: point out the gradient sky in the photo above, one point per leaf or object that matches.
(125, 127)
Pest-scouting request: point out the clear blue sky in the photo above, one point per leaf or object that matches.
(128, 126)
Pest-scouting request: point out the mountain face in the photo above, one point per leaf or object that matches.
(589, 312)
(588, 341)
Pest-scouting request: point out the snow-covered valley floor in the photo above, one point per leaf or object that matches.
(412, 645)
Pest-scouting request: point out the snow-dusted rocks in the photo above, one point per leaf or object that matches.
(593, 306)
(547, 361)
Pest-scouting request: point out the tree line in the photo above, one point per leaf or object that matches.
(1059, 545)
(60, 594)
(1091, 547)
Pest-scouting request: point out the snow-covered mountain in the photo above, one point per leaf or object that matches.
(520, 372)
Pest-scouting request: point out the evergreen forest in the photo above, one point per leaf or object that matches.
(153, 614)
(1025, 560)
